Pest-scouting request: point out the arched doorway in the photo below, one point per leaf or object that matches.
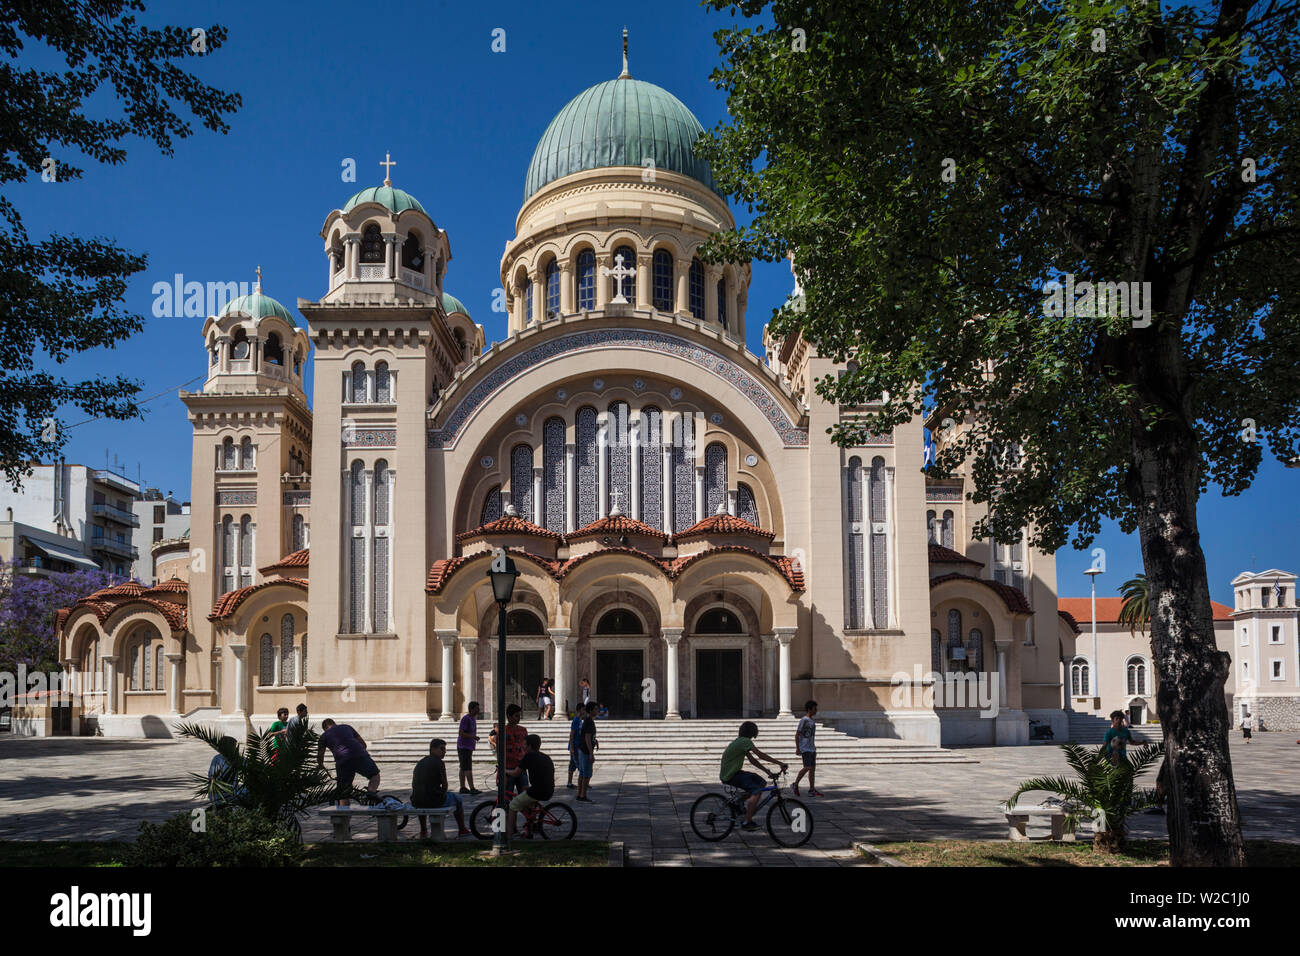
(718, 640)
(619, 652)
(525, 666)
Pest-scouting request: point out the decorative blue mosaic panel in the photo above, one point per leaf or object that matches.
(236, 497)
(372, 438)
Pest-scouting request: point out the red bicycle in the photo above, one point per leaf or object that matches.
(550, 821)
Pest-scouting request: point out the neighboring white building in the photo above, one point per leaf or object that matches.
(80, 510)
(162, 518)
(1266, 649)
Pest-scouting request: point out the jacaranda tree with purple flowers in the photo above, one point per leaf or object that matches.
(27, 608)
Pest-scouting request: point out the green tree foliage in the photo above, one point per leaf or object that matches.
(62, 293)
(933, 165)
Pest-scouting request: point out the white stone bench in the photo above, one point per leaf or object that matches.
(1018, 818)
(385, 818)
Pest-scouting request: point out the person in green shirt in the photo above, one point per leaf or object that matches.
(278, 731)
(1118, 737)
(730, 773)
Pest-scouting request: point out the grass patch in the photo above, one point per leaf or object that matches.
(1045, 853)
(403, 853)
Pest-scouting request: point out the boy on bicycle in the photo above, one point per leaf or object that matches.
(541, 780)
(731, 774)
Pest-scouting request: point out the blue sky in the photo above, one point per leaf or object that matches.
(322, 84)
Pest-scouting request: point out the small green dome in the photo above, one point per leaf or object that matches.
(258, 306)
(452, 304)
(620, 122)
(396, 200)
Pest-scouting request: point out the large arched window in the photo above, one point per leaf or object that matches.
(383, 383)
(521, 481)
(299, 525)
(715, 478)
(879, 547)
(245, 551)
(619, 621)
(697, 289)
(286, 650)
(650, 468)
(722, 303)
(247, 455)
(372, 244)
(663, 280)
(491, 510)
(529, 315)
(520, 621)
(273, 351)
(358, 382)
(266, 662)
(1136, 669)
(586, 280)
(587, 466)
(619, 450)
(357, 549)
(746, 506)
(855, 567)
(239, 348)
(629, 282)
(552, 290)
(719, 620)
(1080, 678)
(683, 472)
(553, 475)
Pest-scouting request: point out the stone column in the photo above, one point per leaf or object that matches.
(390, 254)
(468, 672)
(570, 488)
(683, 278)
(489, 689)
(603, 285)
(732, 495)
(223, 353)
(711, 276)
(255, 353)
(110, 685)
(666, 483)
(784, 637)
(351, 253)
(769, 673)
(560, 638)
(1002, 647)
(448, 641)
(699, 493)
(602, 465)
(72, 679)
(672, 636)
(732, 310)
(240, 651)
(634, 464)
(539, 513)
(644, 289)
(175, 677)
(566, 287)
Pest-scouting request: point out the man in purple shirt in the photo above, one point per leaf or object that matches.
(466, 738)
(350, 758)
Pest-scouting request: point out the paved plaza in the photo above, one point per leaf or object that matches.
(100, 789)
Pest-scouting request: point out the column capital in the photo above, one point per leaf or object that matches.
(784, 635)
(447, 637)
(469, 642)
(559, 635)
(174, 657)
(671, 634)
(239, 650)
(769, 640)
(1003, 644)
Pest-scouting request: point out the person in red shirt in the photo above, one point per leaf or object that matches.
(515, 743)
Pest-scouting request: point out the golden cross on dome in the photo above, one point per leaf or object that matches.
(388, 164)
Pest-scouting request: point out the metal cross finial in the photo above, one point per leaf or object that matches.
(387, 164)
(625, 75)
(618, 273)
(616, 510)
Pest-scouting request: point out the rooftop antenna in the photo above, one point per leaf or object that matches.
(625, 75)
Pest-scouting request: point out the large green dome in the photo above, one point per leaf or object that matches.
(620, 122)
(258, 306)
(396, 200)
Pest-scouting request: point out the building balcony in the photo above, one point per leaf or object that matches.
(121, 548)
(117, 515)
(118, 481)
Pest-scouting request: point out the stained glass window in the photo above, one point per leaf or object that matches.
(553, 478)
(383, 383)
(286, 650)
(975, 651)
(528, 300)
(299, 533)
(357, 584)
(620, 458)
(746, 506)
(936, 651)
(683, 471)
(552, 290)
(357, 482)
(954, 629)
(380, 597)
(372, 244)
(358, 382)
(879, 551)
(629, 262)
(651, 467)
(146, 659)
(228, 454)
(722, 302)
(381, 492)
(715, 478)
(247, 461)
(246, 542)
(521, 481)
(227, 544)
(854, 574)
(586, 280)
(586, 466)
(697, 289)
(663, 280)
(133, 663)
(947, 529)
(266, 665)
(491, 506)
(158, 668)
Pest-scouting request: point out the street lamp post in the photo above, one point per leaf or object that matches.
(502, 572)
(1095, 674)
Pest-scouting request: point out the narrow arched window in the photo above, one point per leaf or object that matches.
(946, 528)
(336, 257)
(697, 289)
(746, 506)
(357, 550)
(663, 280)
(286, 650)
(586, 280)
(302, 660)
(273, 351)
(239, 348)
(245, 551)
(381, 546)
(715, 478)
(619, 452)
(975, 651)
(879, 549)
(587, 467)
(683, 472)
(228, 455)
(553, 475)
(855, 581)
(412, 253)
(146, 657)
(722, 303)
(228, 552)
(381, 492)
(931, 527)
(357, 493)
(383, 383)
(247, 455)
(528, 301)
(299, 533)
(628, 286)
(936, 651)
(133, 662)
(358, 382)
(266, 662)
(372, 244)
(521, 481)
(158, 668)
(650, 467)
(552, 290)
(491, 509)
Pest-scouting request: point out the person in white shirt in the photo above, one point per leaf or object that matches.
(805, 747)
(1247, 725)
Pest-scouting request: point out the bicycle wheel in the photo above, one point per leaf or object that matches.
(556, 822)
(712, 817)
(789, 822)
(480, 821)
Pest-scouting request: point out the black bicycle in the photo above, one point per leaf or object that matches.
(789, 821)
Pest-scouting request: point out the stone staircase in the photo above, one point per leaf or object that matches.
(676, 742)
(1089, 729)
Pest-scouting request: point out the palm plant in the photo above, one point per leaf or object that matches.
(1136, 609)
(279, 782)
(1103, 791)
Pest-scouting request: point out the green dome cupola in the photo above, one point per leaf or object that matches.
(621, 122)
(390, 197)
(257, 304)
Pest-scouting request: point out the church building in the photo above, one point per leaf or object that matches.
(688, 538)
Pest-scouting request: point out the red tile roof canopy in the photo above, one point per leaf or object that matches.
(510, 524)
(1068, 618)
(617, 524)
(228, 603)
(941, 555)
(723, 524)
(1012, 597)
(293, 560)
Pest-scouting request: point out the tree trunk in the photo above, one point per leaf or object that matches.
(1204, 829)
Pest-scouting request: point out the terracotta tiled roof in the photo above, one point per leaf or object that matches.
(175, 614)
(1012, 597)
(61, 615)
(785, 565)
(723, 524)
(229, 602)
(509, 524)
(941, 555)
(125, 589)
(1068, 618)
(618, 524)
(173, 585)
(632, 552)
(1108, 609)
(441, 570)
(295, 559)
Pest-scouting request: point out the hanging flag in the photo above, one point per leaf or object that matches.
(928, 456)
(1277, 592)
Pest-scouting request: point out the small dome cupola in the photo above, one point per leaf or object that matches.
(255, 341)
(383, 241)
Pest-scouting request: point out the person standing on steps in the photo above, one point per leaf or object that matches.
(584, 691)
(575, 731)
(806, 748)
(587, 751)
(466, 740)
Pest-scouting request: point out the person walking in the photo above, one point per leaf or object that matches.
(806, 748)
(350, 758)
(575, 731)
(587, 747)
(278, 731)
(466, 740)
(429, 788)
(584, 691)
(1115, 744)
(298, 722)
(545, 699)
(1247, 727)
